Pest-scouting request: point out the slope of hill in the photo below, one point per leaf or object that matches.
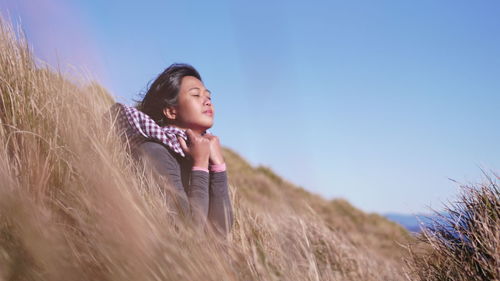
(73, 206)
(268, 192)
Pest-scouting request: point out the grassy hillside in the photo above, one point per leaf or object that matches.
(265, 191)
(74, 207)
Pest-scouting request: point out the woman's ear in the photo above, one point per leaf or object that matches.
(170, 112)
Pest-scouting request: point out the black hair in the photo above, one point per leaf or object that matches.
(164, 91)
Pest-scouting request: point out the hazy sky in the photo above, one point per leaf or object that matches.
(378, 102)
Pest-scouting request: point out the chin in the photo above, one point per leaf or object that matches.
(205, 126)
(208, 124)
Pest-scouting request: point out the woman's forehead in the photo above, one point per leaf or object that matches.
(190, 83)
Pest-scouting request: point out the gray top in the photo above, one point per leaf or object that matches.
(199, 195)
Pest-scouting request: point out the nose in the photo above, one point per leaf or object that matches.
(208, 101)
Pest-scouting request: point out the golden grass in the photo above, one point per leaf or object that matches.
(73, 205)
(464, 244)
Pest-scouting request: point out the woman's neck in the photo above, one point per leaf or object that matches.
(198, 132)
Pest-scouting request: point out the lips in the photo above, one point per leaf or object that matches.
(209, 112)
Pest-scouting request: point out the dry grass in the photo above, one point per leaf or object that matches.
(465, 244)
(74, 207)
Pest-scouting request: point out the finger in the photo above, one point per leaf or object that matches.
(213, 138)
(190, 134)
(183, 144)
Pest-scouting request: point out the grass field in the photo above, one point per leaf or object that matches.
(74, 206)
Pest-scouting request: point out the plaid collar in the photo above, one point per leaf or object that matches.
(139, 127)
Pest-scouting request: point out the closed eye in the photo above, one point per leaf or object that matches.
(210, 98)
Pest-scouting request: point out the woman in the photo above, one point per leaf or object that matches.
(169, 133)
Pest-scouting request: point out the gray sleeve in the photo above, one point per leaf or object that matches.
(197, 192)
(220, 213)
(191, 202)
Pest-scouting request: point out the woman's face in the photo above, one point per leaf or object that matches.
(194, 109)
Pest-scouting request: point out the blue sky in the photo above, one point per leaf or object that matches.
(378, 102)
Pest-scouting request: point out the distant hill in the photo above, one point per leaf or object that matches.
(412, 223)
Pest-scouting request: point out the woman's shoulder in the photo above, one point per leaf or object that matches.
(156, 152)
(152, 145)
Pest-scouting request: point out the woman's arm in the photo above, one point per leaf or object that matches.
(193, 201)
(220, 212)
(198, 195)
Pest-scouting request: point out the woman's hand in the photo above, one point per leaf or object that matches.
(198, 149)
(215, 150)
